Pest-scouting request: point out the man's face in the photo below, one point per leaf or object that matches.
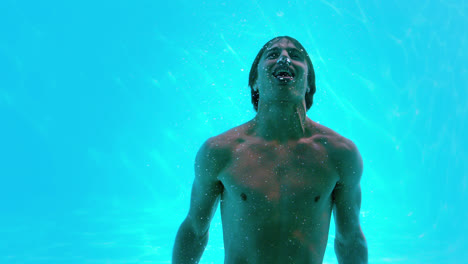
(282, 72)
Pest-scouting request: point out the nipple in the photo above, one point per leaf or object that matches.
(243, 196)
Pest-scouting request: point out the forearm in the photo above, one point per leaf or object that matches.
(352, 252)
(188, 247)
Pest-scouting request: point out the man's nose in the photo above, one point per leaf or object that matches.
(283, 60)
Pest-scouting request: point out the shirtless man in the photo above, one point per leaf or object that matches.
(278, 176)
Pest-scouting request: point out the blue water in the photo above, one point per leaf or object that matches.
(103, 106)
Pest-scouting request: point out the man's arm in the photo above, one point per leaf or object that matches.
(192, 236)
(350, 243)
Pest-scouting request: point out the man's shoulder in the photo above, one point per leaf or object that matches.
(344, 152)
(333, 139)
(221, 145)
(231, 137)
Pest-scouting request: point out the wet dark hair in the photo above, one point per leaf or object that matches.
(309, 97)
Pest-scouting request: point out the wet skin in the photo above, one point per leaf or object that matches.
(277, 177)
(276, 199)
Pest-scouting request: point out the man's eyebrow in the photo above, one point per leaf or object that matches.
(288, 49)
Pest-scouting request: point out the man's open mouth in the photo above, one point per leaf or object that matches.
(283, 75)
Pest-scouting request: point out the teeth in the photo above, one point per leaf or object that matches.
(284, 74)
(281, 78)
(283, 71)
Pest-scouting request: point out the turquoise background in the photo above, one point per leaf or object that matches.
(104, 104)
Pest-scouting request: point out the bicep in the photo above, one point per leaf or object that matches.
(206, 188)
(346, 208)
(347, 195)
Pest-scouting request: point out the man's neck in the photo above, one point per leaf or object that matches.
(281, 121)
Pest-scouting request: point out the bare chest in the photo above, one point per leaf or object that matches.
(266, 172)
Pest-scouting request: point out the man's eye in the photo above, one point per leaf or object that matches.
(296, 56)
(272, 55)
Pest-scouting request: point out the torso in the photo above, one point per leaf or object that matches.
(277, 198)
